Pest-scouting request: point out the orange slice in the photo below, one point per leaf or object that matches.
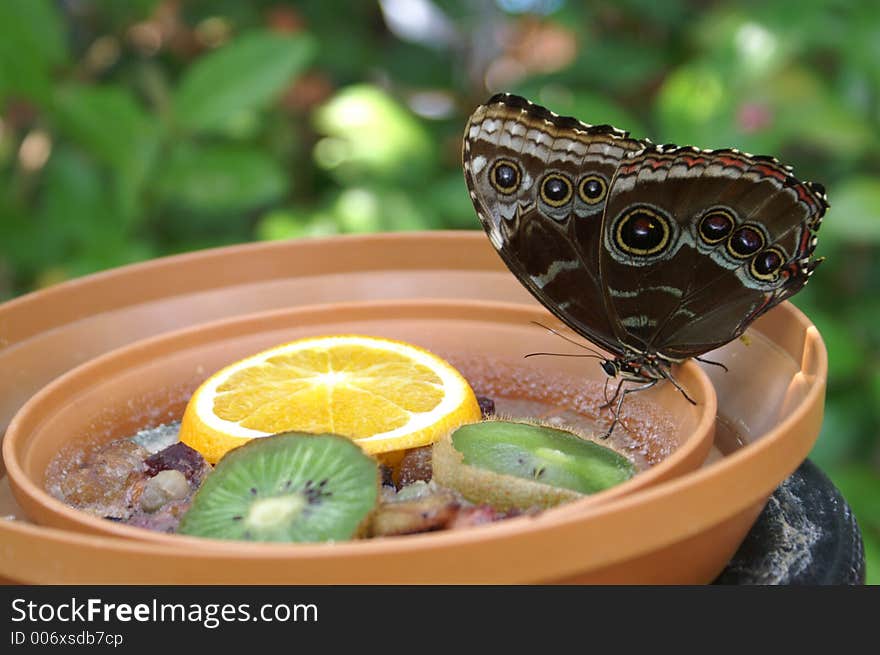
(385, 395)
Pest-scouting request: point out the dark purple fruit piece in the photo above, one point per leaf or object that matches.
(487, 406)
(179, 457)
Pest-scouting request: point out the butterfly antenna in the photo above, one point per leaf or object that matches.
(562, 355)
(709, 361)
(570, 340)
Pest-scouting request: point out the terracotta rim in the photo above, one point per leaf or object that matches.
(690, 454)
(162, 274)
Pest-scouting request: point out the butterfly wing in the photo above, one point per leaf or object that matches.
(539, 183)
(698, 244)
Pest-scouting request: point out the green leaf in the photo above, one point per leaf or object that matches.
(872, 559)
(855, 211)
(860, 485)
(295, 223)
(843, 430)
(846, 353)
(247, 74)
(106, 121)
(448, 196)
(24, 246)
(361, 209)
(75, 228)
(371, 134)
(112, 126)
(633, 62)
(32, 43)
(875, 385)
(694, 107)
(121, 15)
(740, 43)
(808, 111)
(76, 208)
(220, 178)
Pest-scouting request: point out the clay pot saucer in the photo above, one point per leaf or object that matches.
(149, 382)
(680, 531)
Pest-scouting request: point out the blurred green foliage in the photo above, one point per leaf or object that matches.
(135, 129)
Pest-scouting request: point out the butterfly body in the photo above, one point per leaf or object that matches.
(654, 253)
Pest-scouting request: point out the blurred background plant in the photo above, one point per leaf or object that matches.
(131, 130)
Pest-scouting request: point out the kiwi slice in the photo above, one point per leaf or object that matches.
(288, 487)
(514, 464)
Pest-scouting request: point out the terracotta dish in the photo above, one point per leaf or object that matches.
(681, 530)
(149, 382)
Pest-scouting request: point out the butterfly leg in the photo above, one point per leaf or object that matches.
(620, 398)
(681, 390)
(608, 403)
(709, 361)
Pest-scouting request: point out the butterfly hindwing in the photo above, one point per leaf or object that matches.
(697, 244)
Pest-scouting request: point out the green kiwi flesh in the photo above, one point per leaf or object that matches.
(290, 487)
(511, 464)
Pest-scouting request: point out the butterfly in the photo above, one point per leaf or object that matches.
(655, 253)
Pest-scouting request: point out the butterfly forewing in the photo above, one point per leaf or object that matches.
(539, 183)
